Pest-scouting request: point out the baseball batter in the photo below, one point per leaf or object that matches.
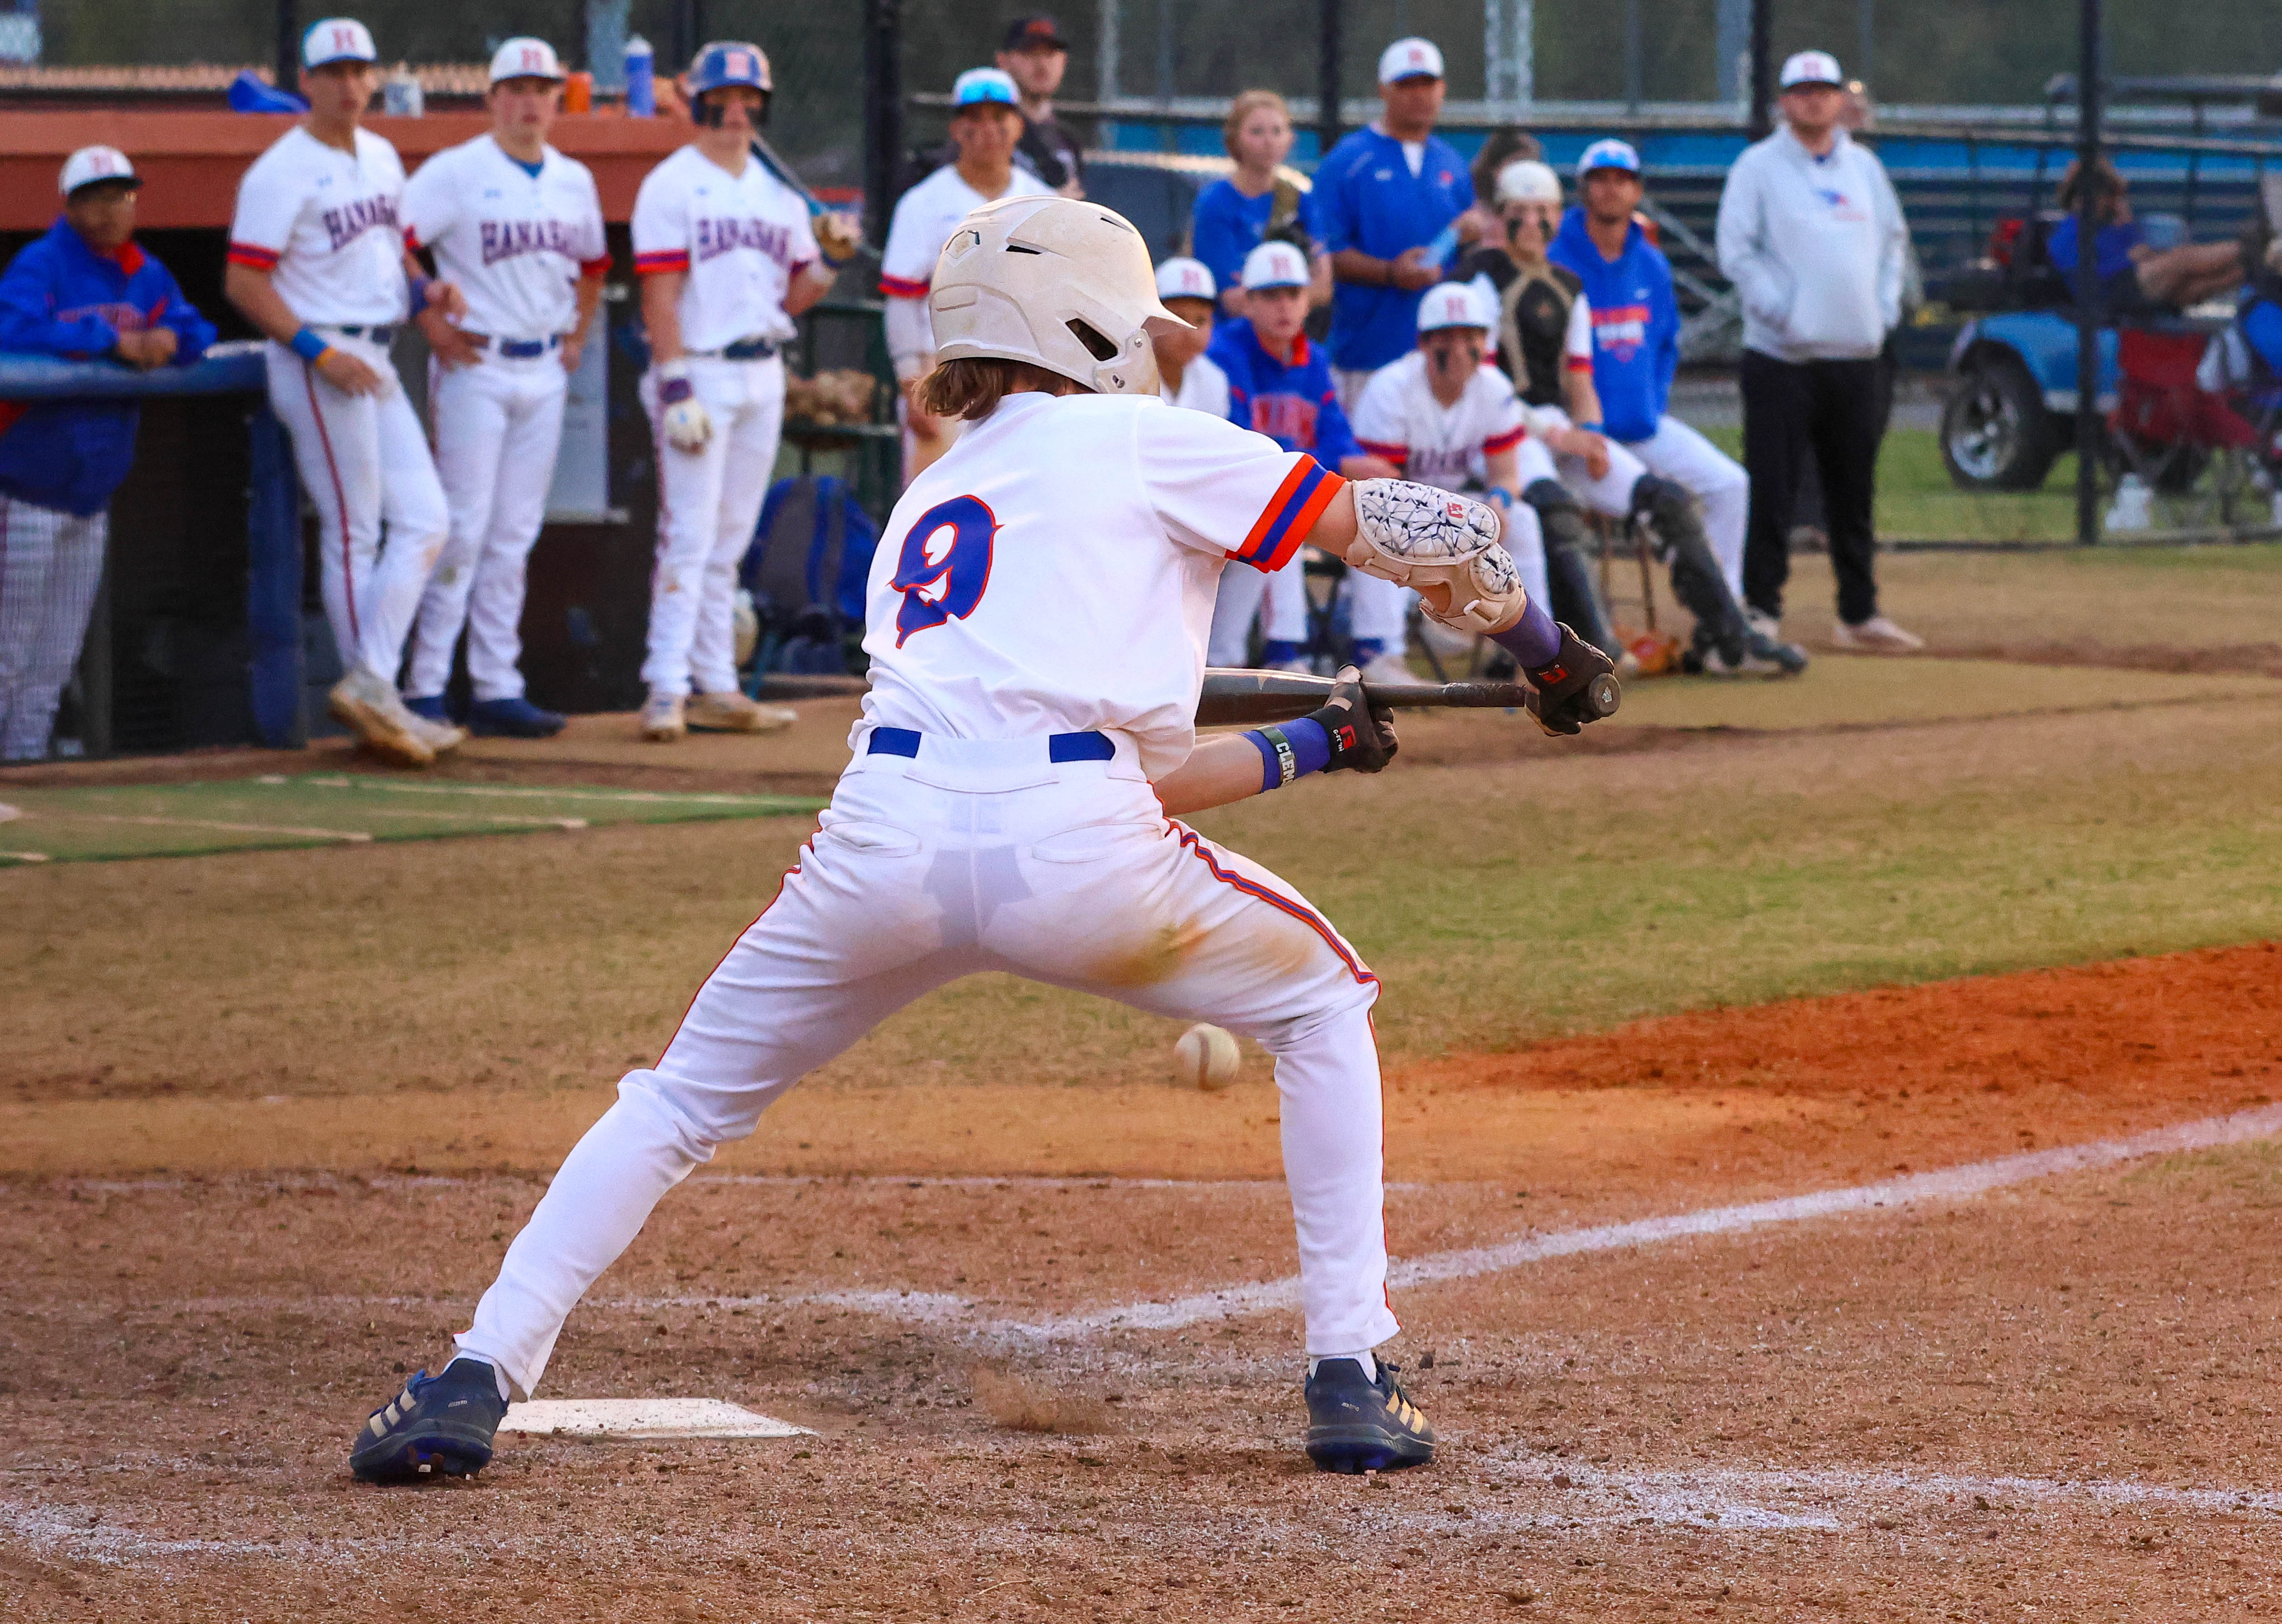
(317, 263)
(518, 228)
(1037, 610)
(726, 258)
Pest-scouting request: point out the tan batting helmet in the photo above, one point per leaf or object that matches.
(1062, 284)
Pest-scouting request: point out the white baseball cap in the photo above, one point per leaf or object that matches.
(1451, 304)
(1609, 154)
(1525, 180)
(984, 84)
(337, 39)
(1275, 265)
(1181, 277)
(1812, 67)
(91, 164)
(1410, 58)
(523, 57)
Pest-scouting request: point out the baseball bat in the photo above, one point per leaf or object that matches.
(1237, 698)
(772, 161)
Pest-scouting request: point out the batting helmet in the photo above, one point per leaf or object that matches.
(1062, 284)
(722, 64)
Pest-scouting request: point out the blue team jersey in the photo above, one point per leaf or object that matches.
(2111, 246)
(1367, 199)
(1228, 225)
(1635, 323)
(1294, 406)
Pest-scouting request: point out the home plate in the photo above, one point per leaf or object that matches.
(645, 1417)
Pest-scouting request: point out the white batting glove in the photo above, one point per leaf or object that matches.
(682, 416)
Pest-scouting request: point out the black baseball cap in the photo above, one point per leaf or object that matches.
(1032, 33)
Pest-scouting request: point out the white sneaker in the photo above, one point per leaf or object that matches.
(372, 706)
(662, 718)
(441, 738)
(1769, 626)
(1389, 668)
(1875, 635)
(732, 712)
(1716, 664)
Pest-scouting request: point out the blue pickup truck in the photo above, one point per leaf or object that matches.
(2013, 410)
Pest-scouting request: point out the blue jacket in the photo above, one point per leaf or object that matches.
(1635, 324)
(1294, 406)
(1366, 197)
(60, 298)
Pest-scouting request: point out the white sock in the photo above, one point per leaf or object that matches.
(1370, 1365)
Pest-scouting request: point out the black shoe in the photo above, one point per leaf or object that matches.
(1356, 1423)
(438, 1427)
(512, 719)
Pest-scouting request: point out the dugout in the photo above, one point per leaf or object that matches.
(190, 643)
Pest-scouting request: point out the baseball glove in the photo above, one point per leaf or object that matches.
(1443, 547)
(838, 236)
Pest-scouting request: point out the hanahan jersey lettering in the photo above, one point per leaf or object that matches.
(1288, 418)
(344, 225)
(510, 239)
(725, 235)
(126, 318)
(1620, 330)
(1432, 465)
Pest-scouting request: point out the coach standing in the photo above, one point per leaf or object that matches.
(1812, 237)
(1035, 56)
(83, 293)
(1388, 203)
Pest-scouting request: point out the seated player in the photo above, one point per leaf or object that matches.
(1074, 535)
(2135, 277)
(1186, 376)
(1280, 385)
(1442, 417)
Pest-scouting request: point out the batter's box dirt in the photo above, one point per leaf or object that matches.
(102, 823)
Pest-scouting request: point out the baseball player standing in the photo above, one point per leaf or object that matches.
(985, 123)
(726, 260)
(83, 292)
(317, 263)
(1036, 612)
(518, 228)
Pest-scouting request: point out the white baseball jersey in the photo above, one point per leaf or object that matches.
(740, 239)
(1204, 388)
(1400, 419)
(993, 614)
(513, 243)
(323, 223)
(924, 220)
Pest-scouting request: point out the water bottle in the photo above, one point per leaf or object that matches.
(402, 96)
(642, 88)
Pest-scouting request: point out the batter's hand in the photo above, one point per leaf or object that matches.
(1562, 707)
(450, 345)
(1362, 734)
(347, 374)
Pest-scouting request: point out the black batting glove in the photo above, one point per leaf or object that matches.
(1562, 707)
(1362, 734)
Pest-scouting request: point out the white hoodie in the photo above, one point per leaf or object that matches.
(1815, 247)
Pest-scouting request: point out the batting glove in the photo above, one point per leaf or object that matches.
(682, 416)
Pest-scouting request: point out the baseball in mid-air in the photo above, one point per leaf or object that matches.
(1206, 1057)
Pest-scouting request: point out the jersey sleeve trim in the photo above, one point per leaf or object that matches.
(1394, 453)
(599, 266)
(254, 255)
(1506, 441)
(1580, 363)
(1289, 515)
(903, 287)
(664, 260)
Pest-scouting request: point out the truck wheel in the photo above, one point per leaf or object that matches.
(1996, 434)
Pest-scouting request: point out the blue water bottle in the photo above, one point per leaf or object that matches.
(642, 90)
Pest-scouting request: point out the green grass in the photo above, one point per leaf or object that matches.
(1917, 501)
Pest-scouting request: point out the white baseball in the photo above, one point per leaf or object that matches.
(1206, 1057)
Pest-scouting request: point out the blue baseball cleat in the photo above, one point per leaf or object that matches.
(1357, 1425)
(512, 719)
(438, 1427)
(427, 707)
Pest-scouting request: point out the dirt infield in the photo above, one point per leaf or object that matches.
(2053, 1399)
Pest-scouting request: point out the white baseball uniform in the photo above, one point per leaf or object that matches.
(51, 569)
(738, 240)
(1399, 419)
(1678, 453)
(324, 224)
(1038, 609)
(516, 243)
(1204, 388)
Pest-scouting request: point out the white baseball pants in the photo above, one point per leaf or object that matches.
(979, 855)
(364, 460)
(51, 569)
(1610, 494)
(708, 502)
(1242, 592)
(1718, 484)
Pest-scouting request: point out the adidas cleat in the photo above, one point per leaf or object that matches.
(1356, 1424)
(438, 1427)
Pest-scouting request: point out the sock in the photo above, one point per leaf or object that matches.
(498, 1372)
(1534, 640)
(1369, 649)
(1370, 1365)
(1275, 653)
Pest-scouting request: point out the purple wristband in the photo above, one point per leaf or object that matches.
(1533, 641)
(1305, 748)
